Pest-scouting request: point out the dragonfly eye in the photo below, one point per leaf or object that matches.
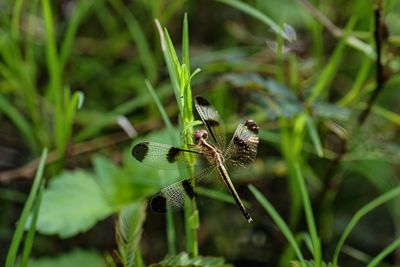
(200, 134)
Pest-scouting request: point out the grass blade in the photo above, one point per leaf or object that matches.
(361, 213)
(389, 249)
(19, 231)
(31, 233)
(278, 220)
(312, 131)
(309, 217)
(256, 14)
(163, 113)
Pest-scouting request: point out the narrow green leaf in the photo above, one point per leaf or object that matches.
(312, 131)
(359, 215)
(389, 249)
(278, 220)
(332, 66)
(309, 217)
(31, 233)
(256, 14)
(19, 231)
(163, 113)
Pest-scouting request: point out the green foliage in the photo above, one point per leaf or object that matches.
(316, 165)
(72, 190)
(73, 258)
(183, 259)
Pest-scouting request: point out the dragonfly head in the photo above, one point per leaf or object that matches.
(200, 134)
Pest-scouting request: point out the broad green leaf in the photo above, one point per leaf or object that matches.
(74, 258)
(72, 203)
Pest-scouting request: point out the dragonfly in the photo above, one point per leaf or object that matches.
(210, 149)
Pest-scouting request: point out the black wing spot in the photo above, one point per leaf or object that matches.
(158, 203)
(139, 151)
(251, 126)
(202, 101)
(172, 154)
(241, 143)
(212, 123)
(187, 185)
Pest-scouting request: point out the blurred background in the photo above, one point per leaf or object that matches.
(73, 79)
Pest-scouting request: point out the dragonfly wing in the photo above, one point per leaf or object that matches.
(163, 156)
(174, 195)
(211, 120)
(242, 149)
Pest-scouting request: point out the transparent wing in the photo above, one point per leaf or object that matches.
(173, 196)
(211, 120)
(164, 156)
(242, 149)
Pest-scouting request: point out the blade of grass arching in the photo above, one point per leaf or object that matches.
(19, 231)
(309, 217)
(389, 249)
(312, 131)
(382, 199)
(256, 14)
(279, 222)
(328, 73)
(73, 23)
(139, 38)
(32, 228)
(20, 122)
(163, 113)
(361, 77)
